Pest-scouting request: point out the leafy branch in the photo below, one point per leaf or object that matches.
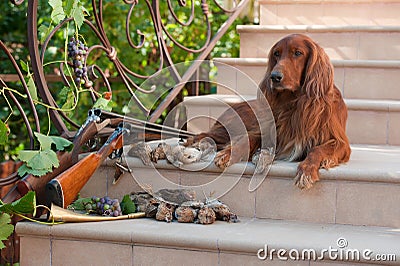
(21, 207)
(40, 162)
(61, 10)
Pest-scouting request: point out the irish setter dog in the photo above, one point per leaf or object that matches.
(309, 112)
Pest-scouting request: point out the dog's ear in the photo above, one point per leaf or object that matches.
(318, 79)
(265, 84)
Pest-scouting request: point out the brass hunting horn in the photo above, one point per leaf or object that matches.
(58, 214)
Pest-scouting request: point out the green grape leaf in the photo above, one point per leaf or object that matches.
(63, 93)
(58, 12)
(24, 169)
(26, 155)
(44, 31)
(62, 144)
(24, 66)
(46, 159)
(69, 103)
(103, 104)
(32, 88)
(79, 15)
(127, 205)
(38, 163)
(25, 205)
(45, 141)
(3, 133)
(85, 11)
(79, 204)
(70, 7)
(6, 228)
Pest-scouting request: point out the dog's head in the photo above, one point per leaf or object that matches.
(297, 64)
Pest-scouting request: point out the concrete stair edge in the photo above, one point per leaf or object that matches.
(335, 62)
(369, 122)
(380, 166)
(352, 104)
(245, 237)
(315, 28)
(357, 79)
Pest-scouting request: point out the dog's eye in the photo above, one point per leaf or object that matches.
(298, 53)
(277, 54)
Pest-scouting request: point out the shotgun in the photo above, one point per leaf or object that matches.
(64, 189)
(33, 183)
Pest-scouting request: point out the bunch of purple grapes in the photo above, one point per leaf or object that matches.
(77, 51)
(104, 206)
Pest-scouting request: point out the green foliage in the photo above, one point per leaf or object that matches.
(31, 84)
(25, 205)
(57, 14)
(79, 204)
(103, 103)
(127, 205)
(61, 10)
(6, 228)
(40, 162)
(3, 133)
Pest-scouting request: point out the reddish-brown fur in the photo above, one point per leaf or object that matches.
(309, 111)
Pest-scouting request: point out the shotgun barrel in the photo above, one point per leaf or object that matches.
(33, 183)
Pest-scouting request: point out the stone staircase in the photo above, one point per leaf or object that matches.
(355, 207)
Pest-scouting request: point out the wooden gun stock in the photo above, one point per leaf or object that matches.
(63, 189)
(66, 159)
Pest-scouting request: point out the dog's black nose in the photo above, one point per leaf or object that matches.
(276, 76)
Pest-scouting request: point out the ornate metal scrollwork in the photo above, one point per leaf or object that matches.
(161, 15)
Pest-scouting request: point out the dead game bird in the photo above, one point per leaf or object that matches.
(158, 153)
(184, 214)
(175, 196)
(141, 150)
(206, 215)
(165, 212)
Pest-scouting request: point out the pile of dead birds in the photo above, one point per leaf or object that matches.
(174, 152)
(179, 155)
(181, 205)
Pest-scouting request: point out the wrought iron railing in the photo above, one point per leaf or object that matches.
(161, 15)
(131, 79)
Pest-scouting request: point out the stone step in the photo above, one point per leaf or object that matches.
(148, 242)
(337, 12)
(364, 191)
(357, 79)
(340, 42)
(369, 121)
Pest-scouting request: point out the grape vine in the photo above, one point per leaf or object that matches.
(42, 161)
(104, 206)
(77, 51)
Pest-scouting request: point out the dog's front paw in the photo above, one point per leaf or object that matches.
(307, 175)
